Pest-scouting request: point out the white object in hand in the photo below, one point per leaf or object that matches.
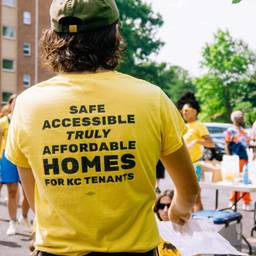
(197, 236)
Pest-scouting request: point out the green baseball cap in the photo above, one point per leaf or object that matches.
(74, 16)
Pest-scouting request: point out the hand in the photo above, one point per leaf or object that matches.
(177, 216)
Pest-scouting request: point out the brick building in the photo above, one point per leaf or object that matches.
(22, 22)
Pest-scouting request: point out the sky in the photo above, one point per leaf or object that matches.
(190, 24)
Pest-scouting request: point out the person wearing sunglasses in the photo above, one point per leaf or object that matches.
(161, 209)
(197, 136)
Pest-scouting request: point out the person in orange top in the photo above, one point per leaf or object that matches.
(197, 137)
(237, 141)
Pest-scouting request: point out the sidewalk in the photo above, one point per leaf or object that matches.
(12, 245)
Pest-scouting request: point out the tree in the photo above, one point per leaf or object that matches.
(174, 80)
(179, 82)
(139, 25)
(229, 78)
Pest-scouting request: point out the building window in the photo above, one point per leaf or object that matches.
(9, 3)
(8, 32)
(26, 49)
(27, 18)
(6, 96)
(8, 65)
(26, 80)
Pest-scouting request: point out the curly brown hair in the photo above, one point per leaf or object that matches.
(87, 51)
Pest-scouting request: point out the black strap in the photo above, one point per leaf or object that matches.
(8, 119)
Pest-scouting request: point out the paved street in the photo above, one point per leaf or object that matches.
(18, 245)
(12, 245)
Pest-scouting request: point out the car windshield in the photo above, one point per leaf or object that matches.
(216, 129)
(220, 128)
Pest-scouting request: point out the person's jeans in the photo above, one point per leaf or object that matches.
(149, 253)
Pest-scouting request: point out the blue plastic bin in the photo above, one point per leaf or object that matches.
(219, 217)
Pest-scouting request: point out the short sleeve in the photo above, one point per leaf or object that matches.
(228, 135)
(13, 151)
(3, 122)
(203, 130)
(172, 126)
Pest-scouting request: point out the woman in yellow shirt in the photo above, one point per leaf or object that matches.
(197, 137)
(9, 175)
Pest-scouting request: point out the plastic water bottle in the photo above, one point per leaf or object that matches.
(198, 171)
(245, 175)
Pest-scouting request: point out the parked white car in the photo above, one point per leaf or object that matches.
(216, 131)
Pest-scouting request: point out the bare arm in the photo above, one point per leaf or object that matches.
(28, 184)
(181, 170)
(207, 141)
(227, 151)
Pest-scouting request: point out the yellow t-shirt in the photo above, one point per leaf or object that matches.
(93, 141)
(196, 130)
(167, 249)
(4, 125)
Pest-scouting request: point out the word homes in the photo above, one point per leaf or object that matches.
(71, 165)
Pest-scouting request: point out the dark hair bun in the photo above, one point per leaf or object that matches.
(190, 99)
(189, 96)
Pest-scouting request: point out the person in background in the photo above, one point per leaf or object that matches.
(161, 209)
(197, 136)
(9, 173)
(5, 110)
(99, 137)
(253, 141)
(9, 176)
(236, 142)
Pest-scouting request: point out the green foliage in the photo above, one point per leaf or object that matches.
(173, 80)
(249, 112)
(229, 79)
(139, 26)
(211, 97)
(236, 1)
(226, 57)
(179, 82)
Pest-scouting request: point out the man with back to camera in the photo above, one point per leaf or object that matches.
(90, 138)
